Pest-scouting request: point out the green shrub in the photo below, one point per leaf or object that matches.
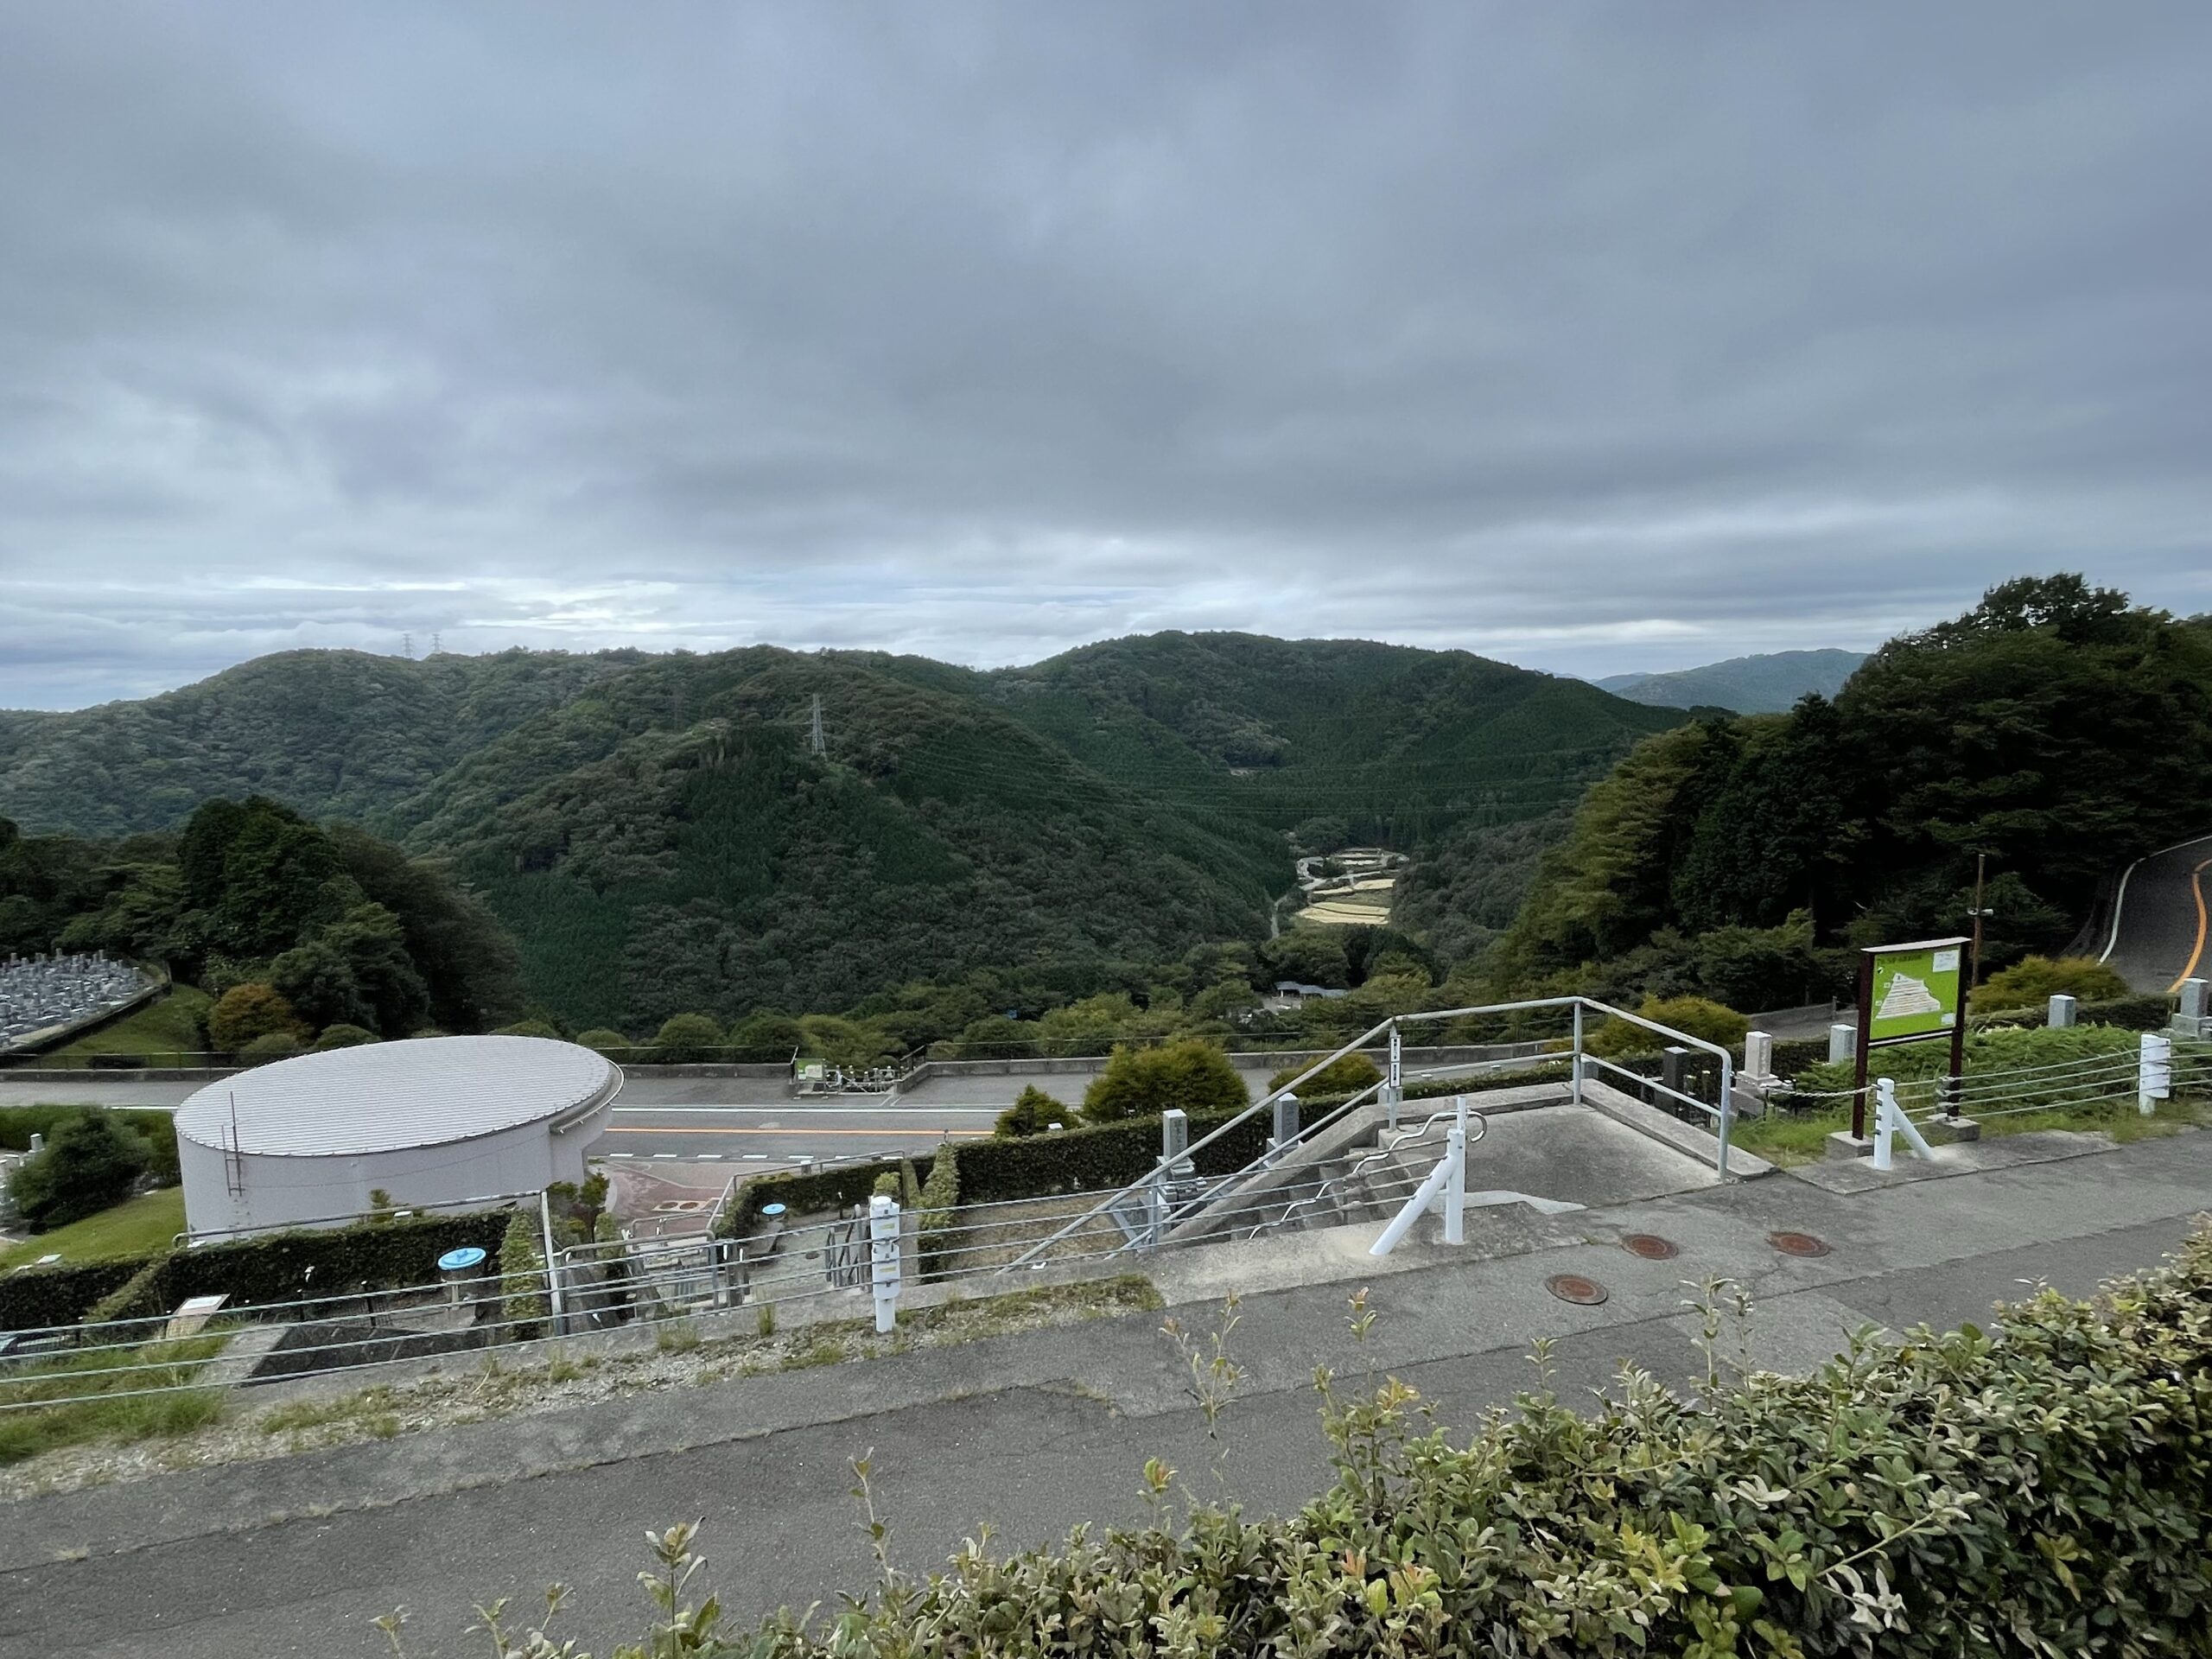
(604, 1040)
(273, 1046)
(687, 1040)
(522, 1301)
(245, 1012)
(544, 1028)
(2032, 982)
(1034, 1112)
(341, 1036)
(2045, 1491)
(940, 1198)
(887, 1185)
(1997, 1049)
(90, 1164)
(1192, 1075)
(1345, 1077)
(1695, 1016)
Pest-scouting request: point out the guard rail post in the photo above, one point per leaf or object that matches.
(1286, 1124)
(1455, 1184)
(1574, 1065)
(1889, 1121)
(2154, 1072)
(1394, 1089)
(883, 1259)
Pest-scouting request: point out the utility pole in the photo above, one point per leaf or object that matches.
(814, 741)
(1974, 957)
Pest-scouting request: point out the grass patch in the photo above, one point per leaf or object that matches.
(135, 1227)
(27, 1428)
(170, 1024)
(1787, 1141)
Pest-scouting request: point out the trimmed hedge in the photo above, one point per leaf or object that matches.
(2146, 1012)
(2044, 1488)
(275, 1267)
(34, 1297)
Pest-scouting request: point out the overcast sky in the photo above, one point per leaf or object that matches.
(1589, 337)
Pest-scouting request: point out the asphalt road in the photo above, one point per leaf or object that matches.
(2160, 934)
(714, 1119)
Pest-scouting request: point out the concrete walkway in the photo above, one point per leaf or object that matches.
(1030, 1434)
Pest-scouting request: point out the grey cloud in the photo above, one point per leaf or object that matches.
(1587, 339)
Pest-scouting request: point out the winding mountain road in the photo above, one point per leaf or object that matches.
(2160, 918)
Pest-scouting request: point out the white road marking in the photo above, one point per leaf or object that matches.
(659, 1155)
(750, 1157)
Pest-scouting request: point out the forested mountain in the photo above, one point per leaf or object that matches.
(1397, 742)
(333, 734)
(2054, 728)
(1748, 685)
(658, 836)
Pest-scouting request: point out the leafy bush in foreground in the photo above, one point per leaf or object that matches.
(2045, 1491)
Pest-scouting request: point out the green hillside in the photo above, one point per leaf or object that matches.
(656, 835)
(334, 734)
(2054, 728)
(1748, 685)
(1398, 742)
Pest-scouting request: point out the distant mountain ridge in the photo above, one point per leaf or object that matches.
(1747, 685)
(658, 836)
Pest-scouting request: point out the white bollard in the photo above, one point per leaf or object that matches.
(1759, 1055)
(1455, 1184)
(2063, 1010)
(1843, 1042)
(883, 1259)
(2154, 1072)
(1890, 1121)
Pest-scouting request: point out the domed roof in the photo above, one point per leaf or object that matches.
(379, 1097)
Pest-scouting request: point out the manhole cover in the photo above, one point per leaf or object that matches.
(1574, 1287)
(1797, 1244)
(1650, 1247)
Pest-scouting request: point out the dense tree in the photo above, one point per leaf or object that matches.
(2054, 728)
(1034, 1112)
(91, 1162)
(1192, 1075)
(245, 1013)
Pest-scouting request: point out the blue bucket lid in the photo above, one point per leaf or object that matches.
(453, 1261)
(772, 1209)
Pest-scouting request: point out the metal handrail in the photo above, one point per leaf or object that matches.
(1328, 1188)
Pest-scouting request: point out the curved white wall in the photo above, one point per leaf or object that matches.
(224, 1193)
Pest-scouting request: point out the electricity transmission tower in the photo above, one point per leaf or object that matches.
(814, 743)
(407, 646)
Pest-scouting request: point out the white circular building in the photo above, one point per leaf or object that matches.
(430, 1120)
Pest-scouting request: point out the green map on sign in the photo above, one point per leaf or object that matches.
(1915, 993)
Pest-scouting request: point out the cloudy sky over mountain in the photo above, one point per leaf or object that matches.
(1592, 337)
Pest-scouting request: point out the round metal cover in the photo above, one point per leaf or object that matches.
(1650, 1247)
(1574, 1287)
(1797, 1244)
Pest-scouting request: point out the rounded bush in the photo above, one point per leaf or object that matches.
(687, 1040)
(251, 1010)
(604, 1039)
(1695, 1016)
(276, 1045)
(341, 1036)
(529, 1028)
